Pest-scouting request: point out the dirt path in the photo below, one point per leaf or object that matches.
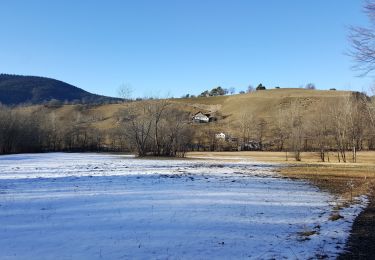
(361, 243)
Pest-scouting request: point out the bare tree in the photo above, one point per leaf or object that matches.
(118, 139)
(370, 106)
(370, 126)
(156, 127)
(209, 137)
(157, 110)
(310, 86)
(176, 132)
(54, 128)
(20, 131)
(321, 131)
(260, 130)
(138, 126)
(246, 123)
(340, 114)
(296, 129)
(358, 120)
(280, 130)
(250, 89)
(125, 92)
(363, 42)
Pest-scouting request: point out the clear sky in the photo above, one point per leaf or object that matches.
(176, 47)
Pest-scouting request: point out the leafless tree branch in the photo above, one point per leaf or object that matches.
(363, 42)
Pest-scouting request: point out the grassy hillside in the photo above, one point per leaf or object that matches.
(16, 90)
(265, 104)
(260, 120)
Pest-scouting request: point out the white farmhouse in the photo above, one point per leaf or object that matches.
(201, 118)
(220, 136)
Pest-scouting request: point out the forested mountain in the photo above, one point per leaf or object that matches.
(15, 90)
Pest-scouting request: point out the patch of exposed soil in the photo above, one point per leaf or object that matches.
(347, 185)
(361, 243)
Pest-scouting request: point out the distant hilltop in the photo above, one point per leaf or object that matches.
(16, 90)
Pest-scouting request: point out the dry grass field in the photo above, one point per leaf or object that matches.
(343, 179)
(265, 104)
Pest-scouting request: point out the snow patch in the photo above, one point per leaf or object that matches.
(100, 206)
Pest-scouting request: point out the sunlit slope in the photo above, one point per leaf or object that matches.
(266, 104)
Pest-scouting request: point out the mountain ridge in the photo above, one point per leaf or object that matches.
(22, 89)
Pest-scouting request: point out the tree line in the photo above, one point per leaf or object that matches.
(154, 127)
(343, 125)
(219, 91)
(29, 129)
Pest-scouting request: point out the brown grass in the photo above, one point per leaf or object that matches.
(265, 103)
(363, 158)
(335, 216)
(346, 180)
(262, 103)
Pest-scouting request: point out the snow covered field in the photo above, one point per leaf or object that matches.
(100, 206)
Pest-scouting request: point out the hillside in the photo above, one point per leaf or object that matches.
(261, 120)
(265, 104)
(15, 90)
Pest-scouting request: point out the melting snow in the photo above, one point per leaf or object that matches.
(101, 206)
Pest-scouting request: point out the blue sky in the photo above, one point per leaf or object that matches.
(176, 47)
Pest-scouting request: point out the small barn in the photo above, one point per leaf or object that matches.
(220, 136)
(203, 117)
